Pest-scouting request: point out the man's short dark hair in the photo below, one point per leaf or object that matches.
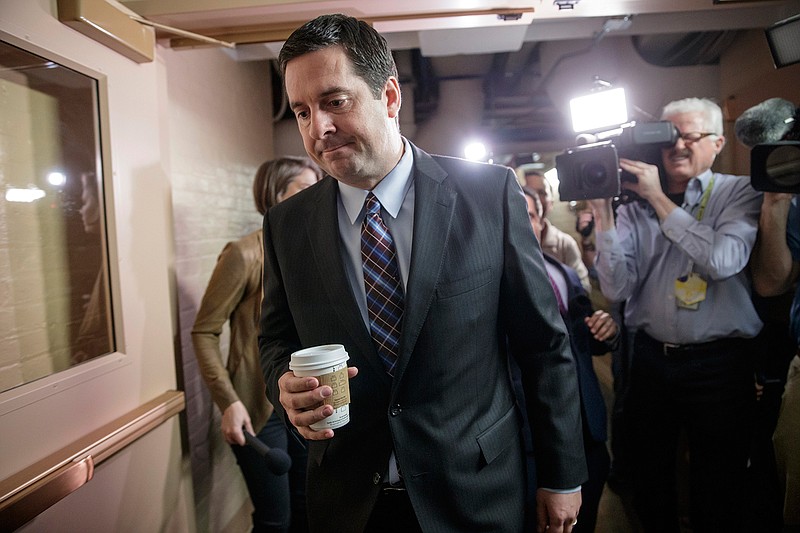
(366, 49)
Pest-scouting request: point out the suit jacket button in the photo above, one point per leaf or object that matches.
(376, 478)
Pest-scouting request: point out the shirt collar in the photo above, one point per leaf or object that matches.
(697, 186)
(390, 191)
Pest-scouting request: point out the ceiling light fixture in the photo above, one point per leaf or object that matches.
(565, 4)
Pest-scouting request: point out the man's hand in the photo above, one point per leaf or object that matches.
(773, 268)
(601, 325)
(302, 398)
(556, 512)
(648, 184)
(603, 212)
(233, 418)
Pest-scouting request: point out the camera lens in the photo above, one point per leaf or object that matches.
(594, 174)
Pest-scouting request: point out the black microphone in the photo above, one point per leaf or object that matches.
(767, 122)
(278, 461)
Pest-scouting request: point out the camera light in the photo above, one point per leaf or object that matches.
(475, 151)
(599, 110)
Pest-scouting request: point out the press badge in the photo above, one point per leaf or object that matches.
(690, 291)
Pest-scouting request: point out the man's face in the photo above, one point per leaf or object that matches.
(537, 183)
(686, 160)
(536, 220)
(352, 135)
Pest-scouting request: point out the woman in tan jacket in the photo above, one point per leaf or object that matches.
(234, 294)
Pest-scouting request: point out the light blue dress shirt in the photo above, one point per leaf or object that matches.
(640, 260)
(395, 192)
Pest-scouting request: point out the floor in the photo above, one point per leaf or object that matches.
(615, 514)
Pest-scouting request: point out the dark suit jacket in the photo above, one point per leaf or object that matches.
(476, 284)
(584, 346)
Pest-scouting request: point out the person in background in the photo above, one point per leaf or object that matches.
(237, 387)
(591, 333)
(619, 475)
(426, 270)
(678, 259)
(584, 225)
(555, 242)
(93, 337)
(775, 269)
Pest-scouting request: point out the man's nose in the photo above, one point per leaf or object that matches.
(321, 124)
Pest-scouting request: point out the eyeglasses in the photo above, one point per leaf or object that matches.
(693, 136)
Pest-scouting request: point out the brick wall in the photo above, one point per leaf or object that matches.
(219, 123)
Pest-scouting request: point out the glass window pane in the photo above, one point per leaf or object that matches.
(54, 294)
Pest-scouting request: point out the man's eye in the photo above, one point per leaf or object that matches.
(301, 115)
(337, 103)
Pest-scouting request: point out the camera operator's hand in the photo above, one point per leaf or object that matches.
(648, 186)
(603, 213)
(772, 265)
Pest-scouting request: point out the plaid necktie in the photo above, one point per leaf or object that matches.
(382, 283)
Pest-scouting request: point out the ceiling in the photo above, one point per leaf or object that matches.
(497, 41)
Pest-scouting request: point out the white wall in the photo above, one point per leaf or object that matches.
(187, 133)
(145, 487)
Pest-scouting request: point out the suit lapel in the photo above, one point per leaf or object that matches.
(323, 234)
(434, 205)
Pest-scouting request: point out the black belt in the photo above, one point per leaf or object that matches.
(391, 490)
(694, 350)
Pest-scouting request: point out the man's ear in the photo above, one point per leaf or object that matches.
(391, 92)
(720, 143)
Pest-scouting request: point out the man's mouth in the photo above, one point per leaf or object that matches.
(677, 157)
(328, 148)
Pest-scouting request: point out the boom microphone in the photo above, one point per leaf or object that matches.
(767, 122)
(278, 461)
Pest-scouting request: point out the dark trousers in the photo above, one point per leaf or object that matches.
(278, 501)
(620, 430)
(598, 462)
(709, 394)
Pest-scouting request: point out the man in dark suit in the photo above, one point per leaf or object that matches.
(433, 439)
(591, 333)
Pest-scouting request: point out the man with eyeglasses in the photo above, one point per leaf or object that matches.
(678, 259)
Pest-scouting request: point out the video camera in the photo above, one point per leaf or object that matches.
(772, 130)
(592, 171)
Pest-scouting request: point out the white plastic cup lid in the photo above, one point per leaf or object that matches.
(318, 357)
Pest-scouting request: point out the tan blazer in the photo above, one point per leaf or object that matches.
(234, 293)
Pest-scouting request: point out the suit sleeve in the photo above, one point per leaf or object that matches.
(539, 343)
(278, 336)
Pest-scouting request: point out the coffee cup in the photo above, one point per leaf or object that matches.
(327, 363)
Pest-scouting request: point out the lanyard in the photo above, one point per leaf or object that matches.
(704, 199)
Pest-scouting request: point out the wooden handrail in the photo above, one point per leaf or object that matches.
(39, 486)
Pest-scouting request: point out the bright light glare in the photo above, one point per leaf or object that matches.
(552, 176)
(56, 178)
(599, 110)
(24, 195)
(475, 151)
